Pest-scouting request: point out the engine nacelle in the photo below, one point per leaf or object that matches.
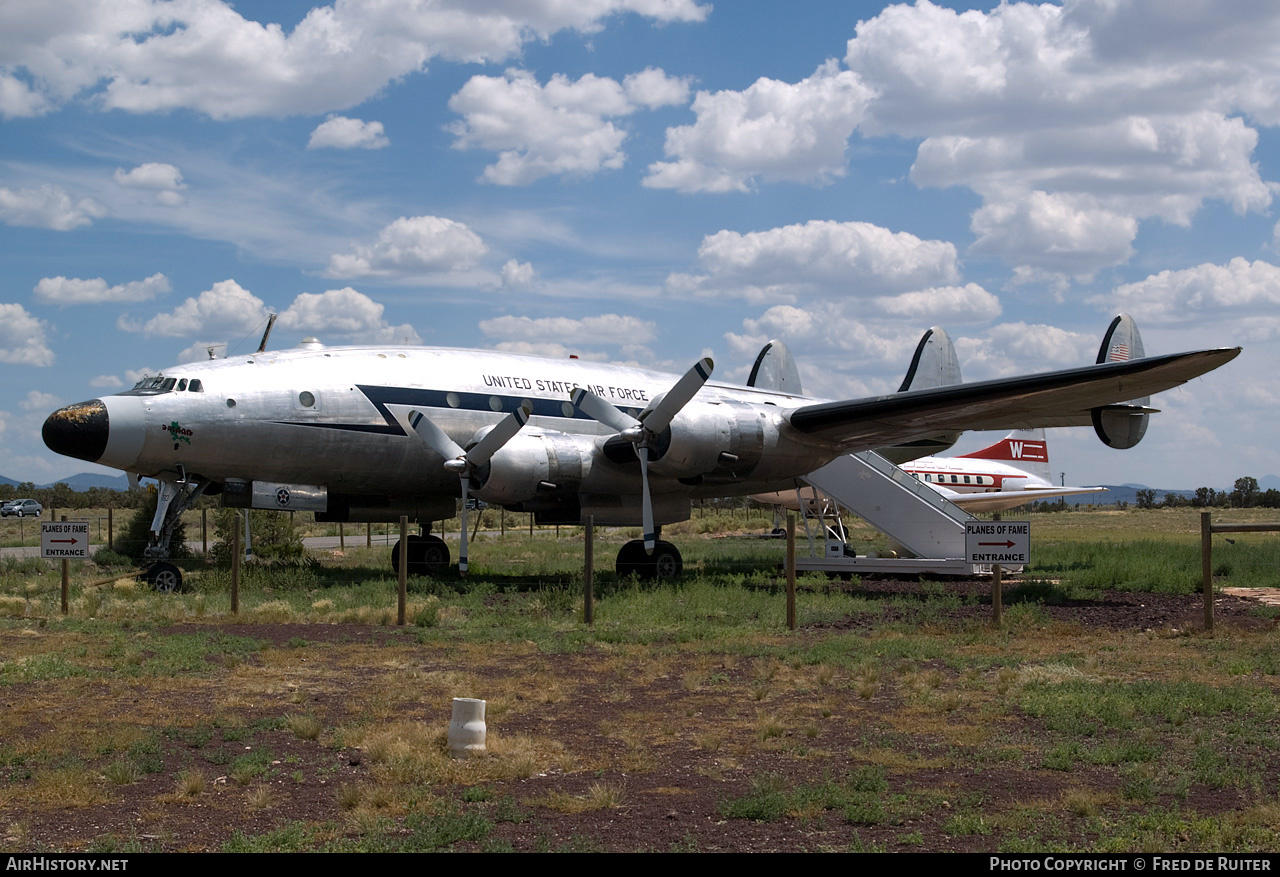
(708, 436)
(531, 463)
(1120, 426)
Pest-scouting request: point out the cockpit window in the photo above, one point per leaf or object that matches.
(153, 386)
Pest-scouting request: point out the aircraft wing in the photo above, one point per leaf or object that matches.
(1061, 398)
(999, 500)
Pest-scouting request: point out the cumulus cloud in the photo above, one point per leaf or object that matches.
(1020, 348)
(225, 308)
(549, 349)
(106, 382)
(561, 128)
(152, 175)
(347, 313)
(229, 310)
(1238, 289)
(413, 246)
(72, 290)
(47, 207)
(18, 99)
(340, 132)
(772, 130)
(603, 329)
(653, 88)
(22, 338)
(35, 400)
(1054, 233)
(1070, 127)
(142, 56)
(164, 180)
(836, 258)
(517, 275)
(942, 304)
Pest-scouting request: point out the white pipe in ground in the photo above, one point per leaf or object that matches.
(466, 728)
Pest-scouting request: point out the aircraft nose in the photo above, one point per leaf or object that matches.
(79, 430)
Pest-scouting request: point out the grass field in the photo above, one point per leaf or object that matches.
(686, 718)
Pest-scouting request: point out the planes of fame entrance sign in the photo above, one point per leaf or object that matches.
(1003, 542)
(64, 539)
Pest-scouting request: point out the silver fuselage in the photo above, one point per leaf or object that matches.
(337, 418)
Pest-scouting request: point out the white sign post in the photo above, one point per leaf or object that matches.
(64, 540)
(1007, 543)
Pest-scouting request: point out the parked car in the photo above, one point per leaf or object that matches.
(21, 508)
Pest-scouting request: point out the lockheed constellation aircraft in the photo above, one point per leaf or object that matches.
(373, 433)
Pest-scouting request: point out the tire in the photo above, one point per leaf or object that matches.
(427, 555)
(435, 554)
(629, 559)
(164, 577)
(664, 564)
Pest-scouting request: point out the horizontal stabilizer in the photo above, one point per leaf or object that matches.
(998, 501)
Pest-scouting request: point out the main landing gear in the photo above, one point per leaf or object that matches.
(427, 554)
(665, 562)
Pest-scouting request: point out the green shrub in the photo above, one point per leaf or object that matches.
(273, 535)
(136, 536)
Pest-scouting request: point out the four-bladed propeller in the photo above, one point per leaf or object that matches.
(465, 463)
(643, 430)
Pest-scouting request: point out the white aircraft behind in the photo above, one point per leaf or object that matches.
(373, 433)
(1013, 471)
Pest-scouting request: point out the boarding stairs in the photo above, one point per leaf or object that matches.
(914, 515)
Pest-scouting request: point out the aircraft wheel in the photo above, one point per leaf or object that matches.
(164, 577)
(427, 554)
(434, 554)
(630, 557)
(664, 564)
(666, 561)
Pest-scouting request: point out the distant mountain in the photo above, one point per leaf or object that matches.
(1118, 493)
(83, 481)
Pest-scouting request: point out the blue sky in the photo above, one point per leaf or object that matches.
(649, 181)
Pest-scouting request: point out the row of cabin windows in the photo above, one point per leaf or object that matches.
(982, 480)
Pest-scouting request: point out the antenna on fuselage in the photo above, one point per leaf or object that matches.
(271, 321)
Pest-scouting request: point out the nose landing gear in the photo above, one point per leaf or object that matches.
(174, 498)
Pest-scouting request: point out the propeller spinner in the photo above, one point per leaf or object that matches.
(643, 430)
(465, 463)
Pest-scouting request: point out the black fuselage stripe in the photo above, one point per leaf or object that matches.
(381, 397)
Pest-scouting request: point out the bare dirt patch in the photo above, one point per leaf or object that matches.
(618, 747)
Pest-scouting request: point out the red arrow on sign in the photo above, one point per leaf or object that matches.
(1009, 544)
(72, 541)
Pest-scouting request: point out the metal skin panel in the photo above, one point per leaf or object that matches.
(290, 497)
(248, 421)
